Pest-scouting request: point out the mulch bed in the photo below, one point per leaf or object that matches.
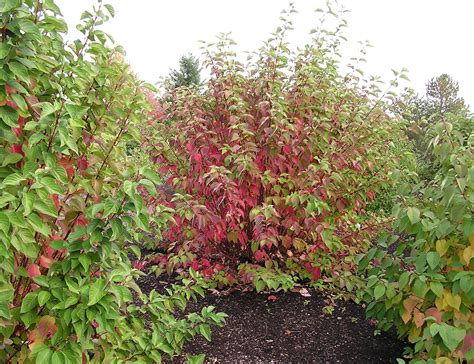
(289, 329)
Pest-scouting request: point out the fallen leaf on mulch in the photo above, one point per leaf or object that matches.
(304, 292)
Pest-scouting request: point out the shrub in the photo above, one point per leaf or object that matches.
(274, 161)
(69, 200)
(426, 287)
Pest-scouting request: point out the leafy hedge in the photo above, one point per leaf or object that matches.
(69, 200)
(426, 287)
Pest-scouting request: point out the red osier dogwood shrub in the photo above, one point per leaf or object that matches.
(69, 200)
(273, 162)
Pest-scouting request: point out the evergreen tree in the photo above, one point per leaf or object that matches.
(442, 98)
(188, 73)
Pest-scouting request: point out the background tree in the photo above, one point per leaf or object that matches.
(442, 98)
(440, 104)
(188, 73)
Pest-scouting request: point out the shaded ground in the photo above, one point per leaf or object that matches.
(290, 329)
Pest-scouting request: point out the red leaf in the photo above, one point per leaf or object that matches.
(21, 121)
(12, 104)
(17, 132)
(33, 270)
(45, 262)
(316, 273)
(87, 138)
(433, 311)
(66, 163)
(55, 199)
(371, 195)
(260, 255)
(82, 163)
(81, 221)
(139, 264)
(195, 265)
(322, 194)
(205, 262)
(10, 90)
(16, 148)
(272, 298)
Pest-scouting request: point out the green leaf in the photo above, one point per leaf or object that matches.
(6, 198)
(135, 250)
(43, 297)
(27, 201)
(165, 348)
(117, 228)
(19, 71)
(4, 50)
(260, 285)
(11, 158)
(110, 9)
(58, 244)
(45, 207)
(151, 188)
(30, 28)
(38, 225)
(9, 5)
(13, 179)
(9, 116)
(50, 184)
(379, 291)
(44, 356)
(85, 261)
(151, 175)
(29, 302)
(205, 331)
(196, 359)
(58, 357)
(403, 279)
(413, 214)
(419, 287)
(76, 112)
(17, 219)
(142, 222)
(5, 311)
(437, 288)
(4, 222)
(19, 101)
(150, 87)
(433, 259)
(52, 6)
(68, 140)
(452, 336)
(96, 291)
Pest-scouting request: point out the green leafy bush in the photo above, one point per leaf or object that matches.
(69, 200)
(426, 287)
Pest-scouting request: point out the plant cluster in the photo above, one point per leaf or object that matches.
(69, 200)
(274, 162)
(425, 288)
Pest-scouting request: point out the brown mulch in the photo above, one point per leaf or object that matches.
(289, 329)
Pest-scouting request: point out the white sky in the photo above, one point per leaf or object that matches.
(429, 37)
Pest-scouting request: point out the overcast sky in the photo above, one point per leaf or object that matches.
(429, 37)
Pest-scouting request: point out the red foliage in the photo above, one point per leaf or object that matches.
(270, 175)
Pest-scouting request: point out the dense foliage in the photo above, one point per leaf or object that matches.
(275, 169)
(274, 163)
(69, 200)
(426, 287)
